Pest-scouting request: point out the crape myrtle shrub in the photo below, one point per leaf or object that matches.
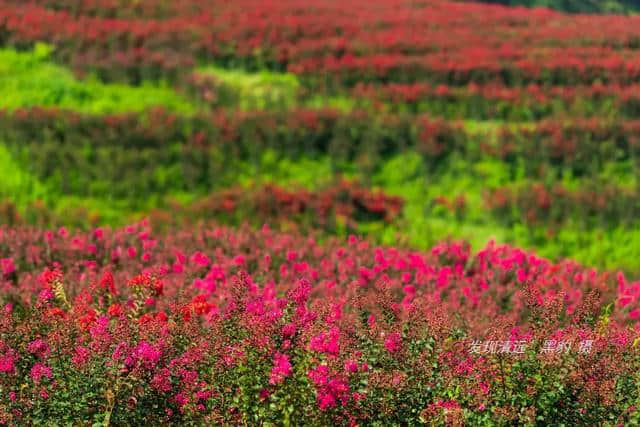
(340, 206)
(334, 43)
(128, 155)
(492, 100)
(345, 201)
(232, 326)
(595, 204)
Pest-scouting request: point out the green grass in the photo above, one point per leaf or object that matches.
(31, 79)
(16, 184)
(268, 90)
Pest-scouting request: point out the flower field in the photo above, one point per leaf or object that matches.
(293, 212)
(221, 325)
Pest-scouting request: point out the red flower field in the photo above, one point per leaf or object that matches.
(219, 325)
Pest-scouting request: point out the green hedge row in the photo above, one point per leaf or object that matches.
(131, 155)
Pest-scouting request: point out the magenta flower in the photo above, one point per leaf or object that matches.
(328, 342)
(40, 370)
(81, 356)
(38, 347)
(300, 294)
(288, 330)
(351, 366)
(7, 364)
(148, 353)
(161, 381)
(200, 259)
(132, 252)
(393, 342)
(281, 369)
(7, 266)
(319, 375)
(326, 401)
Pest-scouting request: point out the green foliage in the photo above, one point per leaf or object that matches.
(255, 91)
(31, 79)
(577, 6)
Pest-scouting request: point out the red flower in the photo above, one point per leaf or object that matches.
(146, 281)
(107, 283)
(115, 310)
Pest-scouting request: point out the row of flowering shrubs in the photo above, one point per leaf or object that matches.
(212, 325)
(341, 205)
(334, 42)
(346, 201)
(604, 205)
(130, 155)
(491, 101)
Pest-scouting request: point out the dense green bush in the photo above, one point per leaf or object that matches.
(577, 6)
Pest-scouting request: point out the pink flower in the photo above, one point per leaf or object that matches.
(38, 371)
(292, 255)
(393, 342)
(288, 330)
(281, 369)
(319, 375)
(328, 342)
(326, 401)
(200, 259)
(81, 356)
(38, 347)
(448, 404)
(7, 364)
(161, 381)
(300, 294)
(45, 295)
(351, 366)
(148, 353)
(625, 300)
(6, 264)
(132, 252)
(371, 321)
(180, 399)
(98, 233)
(178, 268)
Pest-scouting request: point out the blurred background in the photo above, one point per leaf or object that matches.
(408, 121)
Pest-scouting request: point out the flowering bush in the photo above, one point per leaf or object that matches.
(216, 325)
(605, 205)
